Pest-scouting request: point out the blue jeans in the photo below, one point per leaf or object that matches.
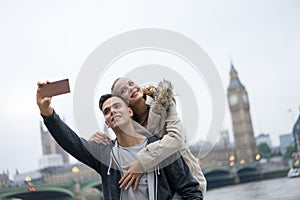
(176, 198)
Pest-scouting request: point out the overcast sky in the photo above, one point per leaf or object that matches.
(50, 40)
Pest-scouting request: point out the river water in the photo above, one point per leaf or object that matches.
(272, 189)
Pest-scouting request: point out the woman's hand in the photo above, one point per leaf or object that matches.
(133, 175)
(100, 138)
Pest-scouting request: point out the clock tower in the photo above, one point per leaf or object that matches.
(237, 96)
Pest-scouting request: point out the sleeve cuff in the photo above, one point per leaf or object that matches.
(49, 118)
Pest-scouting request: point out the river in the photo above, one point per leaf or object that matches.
(272, 189)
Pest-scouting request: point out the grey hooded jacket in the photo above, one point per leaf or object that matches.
(173, 177)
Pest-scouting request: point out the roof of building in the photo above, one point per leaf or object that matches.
(235, 82)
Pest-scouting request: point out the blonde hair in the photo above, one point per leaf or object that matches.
(150, 90)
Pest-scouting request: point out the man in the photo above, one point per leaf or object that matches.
(108, 160)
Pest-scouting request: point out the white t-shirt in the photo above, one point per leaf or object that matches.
(124, 156)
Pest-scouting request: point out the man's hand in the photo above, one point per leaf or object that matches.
(100, 138)
(133, 175)
(43, 103)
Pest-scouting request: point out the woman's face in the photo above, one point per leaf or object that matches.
(129, 90)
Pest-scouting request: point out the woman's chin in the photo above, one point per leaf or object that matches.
(135, 99)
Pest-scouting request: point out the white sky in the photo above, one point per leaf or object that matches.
(50, 40)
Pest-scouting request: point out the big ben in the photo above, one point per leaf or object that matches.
(237, 96)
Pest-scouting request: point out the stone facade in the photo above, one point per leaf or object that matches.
(50, 146)
(68, 173)
(4, 180)
(245, 146)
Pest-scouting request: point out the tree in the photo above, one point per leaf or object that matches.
(289, 151)
(264, 150)
(276, 153)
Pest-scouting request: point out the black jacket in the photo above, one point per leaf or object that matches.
(173, 177)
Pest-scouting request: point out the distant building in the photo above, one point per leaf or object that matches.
(296, 133)
(214, 154)
(68, 172)
(52, 160)
(285, 141)
(58, 174)
(4, 180)
(200, 148)
(28, 177)
(264, 138)
(239, 105)
(223, 141)
(50, 146)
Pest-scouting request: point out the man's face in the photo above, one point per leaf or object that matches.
(116, 112)
(129, 90)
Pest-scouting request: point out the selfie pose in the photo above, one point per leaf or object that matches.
(158, 184)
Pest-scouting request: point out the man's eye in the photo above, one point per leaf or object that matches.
(117, 106)
(106, 112)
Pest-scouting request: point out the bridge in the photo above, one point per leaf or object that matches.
(216, 176)
(76, 189)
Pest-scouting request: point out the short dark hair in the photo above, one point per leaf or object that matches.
(105, 97)
(102, 99)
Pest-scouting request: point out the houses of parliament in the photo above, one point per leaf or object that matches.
(50, 147)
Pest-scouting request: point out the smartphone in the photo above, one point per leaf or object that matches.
(55, 88)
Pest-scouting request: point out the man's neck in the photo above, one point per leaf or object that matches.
(128, 137)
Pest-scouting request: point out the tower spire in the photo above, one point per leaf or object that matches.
(233, 72)
(234, 78)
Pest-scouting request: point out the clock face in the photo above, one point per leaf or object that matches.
(245, 98)
(233, 100)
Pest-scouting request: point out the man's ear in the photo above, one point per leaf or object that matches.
(108, 126)
(130, 111)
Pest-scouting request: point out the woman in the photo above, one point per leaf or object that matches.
(154, 108)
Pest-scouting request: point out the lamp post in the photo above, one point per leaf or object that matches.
(28, 180)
